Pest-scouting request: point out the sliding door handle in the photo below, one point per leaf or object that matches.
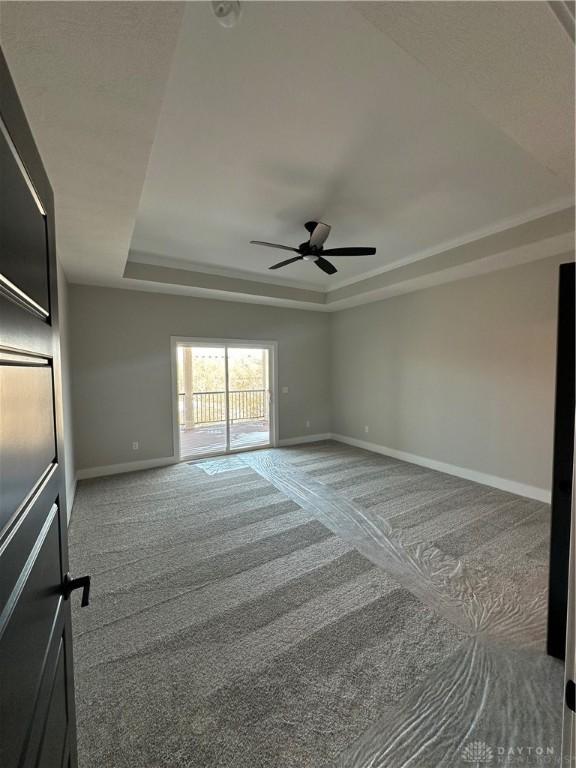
(70, 584)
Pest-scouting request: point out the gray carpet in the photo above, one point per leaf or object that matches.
(476, 554)
(268, 613)
(505, 701)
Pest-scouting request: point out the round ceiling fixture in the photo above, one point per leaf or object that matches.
(227, 12)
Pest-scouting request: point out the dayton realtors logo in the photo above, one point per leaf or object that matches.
(478, 753)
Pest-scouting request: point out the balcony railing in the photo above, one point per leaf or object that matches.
(210, 407)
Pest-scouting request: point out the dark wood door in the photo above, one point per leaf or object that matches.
(563, 464)
(37, 723)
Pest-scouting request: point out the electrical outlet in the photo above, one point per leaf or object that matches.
(135, 445)
(307, 424)
(284, 390)
(366, 429)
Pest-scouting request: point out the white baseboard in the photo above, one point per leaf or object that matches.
(521, 489)
(135, 466)
(304, 439)
(118, 469)
(511, 486)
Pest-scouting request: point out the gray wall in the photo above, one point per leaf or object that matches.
(69, 465)
(120, 356)
(462, 373)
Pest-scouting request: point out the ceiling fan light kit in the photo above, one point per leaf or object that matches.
(313, 249)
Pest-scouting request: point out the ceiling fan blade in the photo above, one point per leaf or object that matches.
(349, 251)
(274, 245)
(284, 263)
(325, 265)
(319, 235)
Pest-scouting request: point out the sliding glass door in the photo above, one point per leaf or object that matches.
(249, 397)
(224, 397)
(202, 400)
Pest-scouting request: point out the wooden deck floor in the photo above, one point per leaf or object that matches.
(212, 438)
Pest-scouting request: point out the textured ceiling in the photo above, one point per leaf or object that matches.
(366, 116)
(414, 127)
(510, 60)
(91, 77)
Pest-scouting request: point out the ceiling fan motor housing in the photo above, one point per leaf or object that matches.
(306, 249)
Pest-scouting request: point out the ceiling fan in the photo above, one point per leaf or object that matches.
(313, 249)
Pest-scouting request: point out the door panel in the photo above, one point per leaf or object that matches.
(30, 617)
(20, 537)
(26, 431)
(54, 743)
(37, 713)
(563, 463)
(49, 729)
(23, 249)
(21, 330)
(569, 720)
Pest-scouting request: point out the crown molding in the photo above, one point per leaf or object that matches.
(534, 239)
(561, 246)
(208, 285)
(235, 284)
(559, 206)
(158, 260)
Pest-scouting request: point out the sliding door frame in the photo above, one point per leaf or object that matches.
(193, 341)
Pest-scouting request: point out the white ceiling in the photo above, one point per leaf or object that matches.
(91, 77)
(414, 127)
(408, 126)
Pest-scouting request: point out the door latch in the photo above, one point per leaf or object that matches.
(70, 584)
